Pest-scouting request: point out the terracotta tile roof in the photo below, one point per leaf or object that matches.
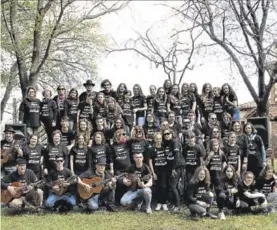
(251, 107)
(273, 111)
(248, 105)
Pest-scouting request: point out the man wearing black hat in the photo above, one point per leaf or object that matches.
(30, 195)
(105, 197)
(89, 86)
(9, 152)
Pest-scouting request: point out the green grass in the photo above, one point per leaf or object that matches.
(133, 220)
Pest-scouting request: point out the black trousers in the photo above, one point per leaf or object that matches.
(223, 200)
(173, 184)
(198, 209)
(162, 185)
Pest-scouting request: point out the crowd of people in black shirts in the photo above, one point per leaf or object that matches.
(192, 145)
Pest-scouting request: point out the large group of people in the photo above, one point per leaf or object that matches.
(174, 146)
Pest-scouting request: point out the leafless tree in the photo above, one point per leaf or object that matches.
(246, 30)
(175, 59)
(50, 21)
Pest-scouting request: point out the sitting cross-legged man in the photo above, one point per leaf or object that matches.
(62, 195)
(97, 186)
(22, 181)
(140, 182)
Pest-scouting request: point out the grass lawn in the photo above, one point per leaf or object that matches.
(134, 220)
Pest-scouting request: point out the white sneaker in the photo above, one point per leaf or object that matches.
(165, 207)
(148, 210)
(159, 206)
(221, 216)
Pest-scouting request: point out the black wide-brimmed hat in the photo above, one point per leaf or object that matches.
(9, 129)
(89, 82)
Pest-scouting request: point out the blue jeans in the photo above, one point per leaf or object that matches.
(141, 121)
(52, 199)
(93, 202)
(130, 196)
(236, 114)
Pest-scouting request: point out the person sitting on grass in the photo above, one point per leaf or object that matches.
(59, 201)
(267, 184)
(200, 196)
(31, 196)
(142, 189)
(105, 197)
(250, 198)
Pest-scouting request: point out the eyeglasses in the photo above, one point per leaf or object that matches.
(167, 134)
(61, 89)
(59, 161)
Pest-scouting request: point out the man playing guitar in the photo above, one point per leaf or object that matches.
(142, 188)
(26, 193)
(9, 152)
(55, 180)
(105, 197)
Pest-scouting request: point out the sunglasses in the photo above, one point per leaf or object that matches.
(167, 134)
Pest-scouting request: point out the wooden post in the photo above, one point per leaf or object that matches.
(14, 111)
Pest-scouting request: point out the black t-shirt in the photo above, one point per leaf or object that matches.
(158, 156)
(215, 165)
(233, 154)
(226, 106)
(99, 152)
(6, 146)
(177, 128)
(138, 102)
(175, 104)
(254, 154)
(80, 159)
(265, 186)
(150, 103)
(72, 108)
(127, 110)
(30, 112)
(33, 157)
(149, 132)
(83, 96)
(48, 109)
(160, 108)
(120, 156)
(109, 94)
(196, 191)
(50, 154)
(218, 107)
(140, 172)
(207, 106)
(242, 188)
(186, 103)
(86, 111)
(62, 175)
(225, 130)
(67, 138)
(139, 146)
(26, 179)
(100, 109)
(192, 155)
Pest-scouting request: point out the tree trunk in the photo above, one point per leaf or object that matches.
(6, 97)
(262, 108)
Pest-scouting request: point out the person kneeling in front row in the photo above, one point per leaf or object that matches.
(142, 189)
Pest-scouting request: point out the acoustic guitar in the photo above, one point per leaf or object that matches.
(63, 185)
(96, 183)
(134, 178)
(20, 189)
